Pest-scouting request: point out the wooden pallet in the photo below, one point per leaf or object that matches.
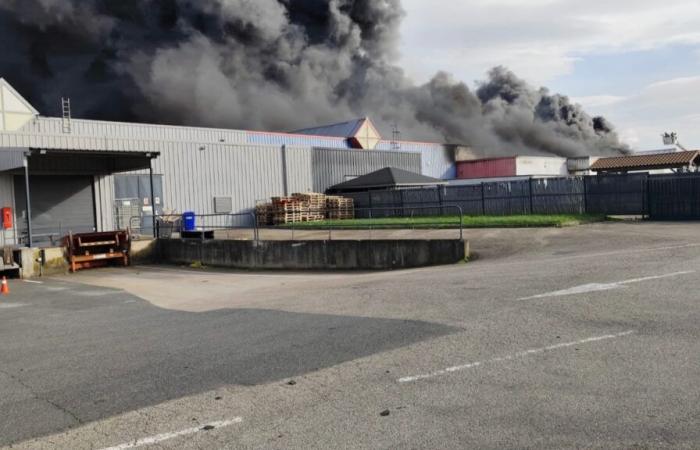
(305, 207)
(341, 215)
(264, 214)
(340, 208)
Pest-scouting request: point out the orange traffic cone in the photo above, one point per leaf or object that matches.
(5, 290)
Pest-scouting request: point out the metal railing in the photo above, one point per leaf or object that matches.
(167, 225)
(50, 235)
(388, 218)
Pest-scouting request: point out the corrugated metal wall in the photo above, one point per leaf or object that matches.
(437, 160)
(332, 166)
(12, 158)
(250, 173)
(104, 202)
(199, 164)
(298, 140)
(100, 129)
(192, 178)
(299, 169)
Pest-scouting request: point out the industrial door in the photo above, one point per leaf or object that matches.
(132, 196)
(60, 204)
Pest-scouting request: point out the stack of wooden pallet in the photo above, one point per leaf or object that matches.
(340, 208)
(287, 210)
(316, 203)
(265, 214)
(306, 207)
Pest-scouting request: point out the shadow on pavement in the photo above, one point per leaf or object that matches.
(89, 354)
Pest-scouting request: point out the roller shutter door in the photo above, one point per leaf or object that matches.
(59, 204)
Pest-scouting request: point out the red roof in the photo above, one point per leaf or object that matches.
(647, 162)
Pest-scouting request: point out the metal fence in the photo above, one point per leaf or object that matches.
(541, 196)
(674, 197)
(369, 222)
(206, 226)
(658, 196)
(624, 194)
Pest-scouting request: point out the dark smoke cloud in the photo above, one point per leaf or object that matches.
(271, 65)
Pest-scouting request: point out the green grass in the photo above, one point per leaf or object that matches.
(520, 221)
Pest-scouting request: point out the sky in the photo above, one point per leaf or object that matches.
(637, 62)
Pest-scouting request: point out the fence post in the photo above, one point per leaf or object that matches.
(532, 211)
(441, 201)
(483, 199)
(585, 195)
(370, 224)
(648, 199)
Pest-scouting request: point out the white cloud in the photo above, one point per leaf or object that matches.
(670, 105)
(597, 101)
(538, 38)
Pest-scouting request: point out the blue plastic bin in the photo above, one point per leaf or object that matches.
(189, 220)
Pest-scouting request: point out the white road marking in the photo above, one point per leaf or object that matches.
(597, 287)
(33, 281)
(166, 436)
(487, 266)
(11, 305)
(522, 354)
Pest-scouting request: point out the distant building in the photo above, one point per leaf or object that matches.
(512, 166)
(676, 162)
(86, 175)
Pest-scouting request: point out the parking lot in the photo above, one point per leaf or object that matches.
(583, 337)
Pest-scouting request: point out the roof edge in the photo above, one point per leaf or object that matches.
(13, 91)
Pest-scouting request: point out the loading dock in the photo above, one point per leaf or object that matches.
(54, 190)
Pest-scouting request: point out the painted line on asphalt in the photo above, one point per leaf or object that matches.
(597, 287)
(486, 266)
(11, 305)
(522, 354)
(589, 255)
(33, 281)
(167, 436)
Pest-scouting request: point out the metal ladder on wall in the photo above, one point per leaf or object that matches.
(65, 106)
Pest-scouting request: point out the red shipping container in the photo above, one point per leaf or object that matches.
(487, 168)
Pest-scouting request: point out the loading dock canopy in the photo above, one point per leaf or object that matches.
(678, 160)
(67, 164)
(387, 178)
(74, 162)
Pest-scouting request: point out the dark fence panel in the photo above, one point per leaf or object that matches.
(558, 196)
(469, 198)
(617, 194)
(674, 198)
(507, 198)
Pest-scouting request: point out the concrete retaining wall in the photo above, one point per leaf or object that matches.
(314, 255)
(55, 262)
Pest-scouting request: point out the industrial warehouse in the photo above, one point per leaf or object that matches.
(91, 175)
(80, 176)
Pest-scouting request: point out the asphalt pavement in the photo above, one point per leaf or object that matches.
(582, 337)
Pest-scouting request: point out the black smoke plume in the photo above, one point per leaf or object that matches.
(271, 65)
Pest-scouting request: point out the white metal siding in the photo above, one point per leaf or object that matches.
(541, 165)
(437, 161)
(299, 170)
(135, 131)
(192, 178)
(333, 166)
(104, 202)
